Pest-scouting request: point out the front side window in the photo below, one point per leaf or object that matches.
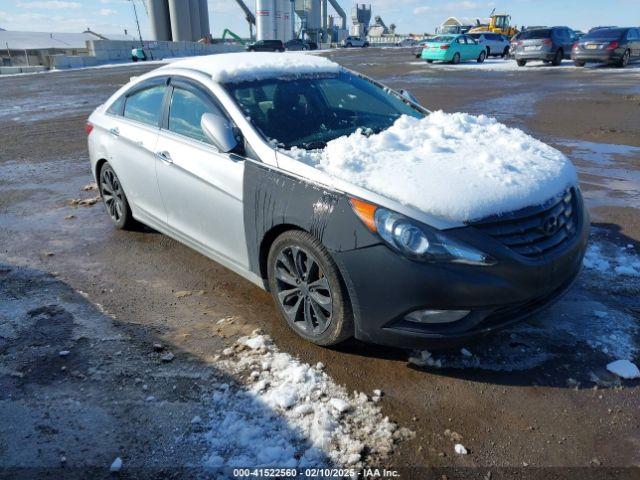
(185, 113)
(145, 105)
(310, 111)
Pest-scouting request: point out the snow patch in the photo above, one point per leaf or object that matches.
(457, 166)
(624, 369)
(240, 67)
(619, 262)
(291, 414)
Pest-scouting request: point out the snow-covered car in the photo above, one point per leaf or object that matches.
(363, 213)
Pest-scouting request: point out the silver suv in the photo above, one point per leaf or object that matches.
(552, 44)
(354, 42)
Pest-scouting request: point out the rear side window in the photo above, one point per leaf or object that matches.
(145, 105)
(186, 111)
(606, 34)
(535, 34)
(116, 107)
(633, 35)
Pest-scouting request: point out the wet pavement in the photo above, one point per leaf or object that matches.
(535, 395)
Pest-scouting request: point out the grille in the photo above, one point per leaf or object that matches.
(536, 231)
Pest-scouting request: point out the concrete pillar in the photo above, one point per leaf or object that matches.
(159, 20)
(180, 20)
(205, 30)
(194, 12)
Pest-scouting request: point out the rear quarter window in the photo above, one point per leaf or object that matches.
(116, 107)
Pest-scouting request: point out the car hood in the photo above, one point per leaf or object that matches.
(447, 169)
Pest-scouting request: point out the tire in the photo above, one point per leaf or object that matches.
(366, 45)
(114, 199)
(482, 57)
(522, 63)
(488, 52)
(456, 59)
(557, 60)
(505, 53)
(348, 45)
(578, 63)
(297, 262)
(624, 61)
(429, 61)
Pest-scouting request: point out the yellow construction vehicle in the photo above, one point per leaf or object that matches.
(499, 23)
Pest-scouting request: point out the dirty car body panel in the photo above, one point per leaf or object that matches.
(230, 206)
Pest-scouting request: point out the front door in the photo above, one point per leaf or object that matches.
(201, 187)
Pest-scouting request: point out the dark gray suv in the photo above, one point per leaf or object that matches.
(551, 44)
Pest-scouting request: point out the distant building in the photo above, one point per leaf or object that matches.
(37, 48)
(459, 25)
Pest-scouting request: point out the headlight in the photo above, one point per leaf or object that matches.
(414, 240)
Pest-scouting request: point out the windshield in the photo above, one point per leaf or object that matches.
(308, 112)
(534, 34)
(606, 34)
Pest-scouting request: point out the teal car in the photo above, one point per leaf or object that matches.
(453, 49)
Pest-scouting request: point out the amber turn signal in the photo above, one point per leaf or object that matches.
(365, 211)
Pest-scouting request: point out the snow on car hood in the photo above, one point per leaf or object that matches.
(456, 166)
(242, 67)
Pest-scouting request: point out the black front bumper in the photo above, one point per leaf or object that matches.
(384, 287)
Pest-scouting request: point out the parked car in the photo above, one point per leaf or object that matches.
(616, 46)
(454, 49)
(416, 51)
(497, 45)
(350, 41)
(205, 150)
(547, 44)
(593, 29)
(297, 44)
(265, 46)
(407, 42)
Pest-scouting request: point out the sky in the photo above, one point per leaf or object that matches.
(410, 16)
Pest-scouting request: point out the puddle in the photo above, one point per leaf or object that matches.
(609, 173)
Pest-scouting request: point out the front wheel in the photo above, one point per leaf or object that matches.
(482, 57)
(522, 63)
(348, 45)
(306, 287)
(114, 198)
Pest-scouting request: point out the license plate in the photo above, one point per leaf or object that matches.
(592, 47)
(528, 49)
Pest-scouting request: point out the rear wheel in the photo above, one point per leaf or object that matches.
(625, 59)
(522, 63)
(114, 198)
(505, 52)
(306, 287)
(348, 45)
(429, 61)
(557, 60)
(482, 57)
(456, 59)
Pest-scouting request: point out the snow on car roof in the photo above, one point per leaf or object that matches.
(239, 67)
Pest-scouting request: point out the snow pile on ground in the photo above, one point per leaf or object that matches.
(624, 369)
(239, 67)
(622, 263)
(291, 414)
(457, 166)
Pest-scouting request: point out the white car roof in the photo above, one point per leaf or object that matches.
(238, 67)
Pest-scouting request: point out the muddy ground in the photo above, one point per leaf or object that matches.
(537, 395)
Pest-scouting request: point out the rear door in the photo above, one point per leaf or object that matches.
(200, 186)
(135, 136)
(634, 42)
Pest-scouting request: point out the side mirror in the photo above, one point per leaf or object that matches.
(409, 96)
(219, 131)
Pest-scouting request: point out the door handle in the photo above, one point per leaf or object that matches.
(164, 156)
(115, 131)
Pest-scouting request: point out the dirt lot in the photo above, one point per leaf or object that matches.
(88, 314)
